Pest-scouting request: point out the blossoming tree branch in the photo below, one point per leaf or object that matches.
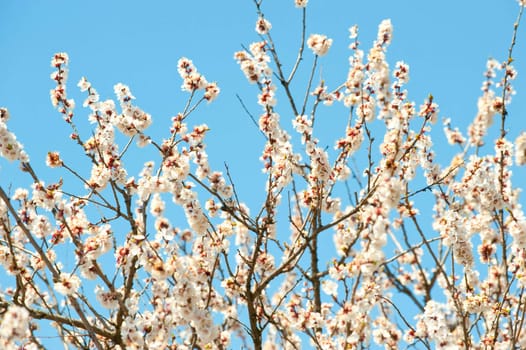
(173, 258)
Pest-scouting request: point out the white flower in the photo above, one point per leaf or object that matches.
(330, 287)
(520, 149)
(401, 72)
(84, 84)
(67, 284)
(385, 32)
(319, 44)
(59, 59)
(109, 300)
(4, 114)
(211, 92)
(192, 80)
(53, 160)
(263, 26)
(300, 3)
(123, 92)
(15, 324)
(353, 32)
(302, 124)
(10, 148)
(20, 194)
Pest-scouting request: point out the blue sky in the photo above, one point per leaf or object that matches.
(138, 43)
(446, 43)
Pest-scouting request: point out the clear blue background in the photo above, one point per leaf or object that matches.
(138, 43)
(446, 43)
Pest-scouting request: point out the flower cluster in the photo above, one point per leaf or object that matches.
(15, 327)
(434, 324)
(254, 64)
(58, 94)
(193, 80)
(132, 119)
(10, 148)
(172, 257)
(490, 103)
